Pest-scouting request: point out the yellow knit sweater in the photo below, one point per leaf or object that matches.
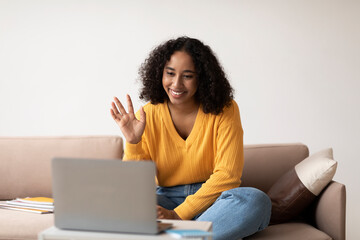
(212, 153)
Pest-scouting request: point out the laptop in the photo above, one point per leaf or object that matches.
(105, 195)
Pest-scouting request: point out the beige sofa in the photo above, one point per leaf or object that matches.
(25, 171)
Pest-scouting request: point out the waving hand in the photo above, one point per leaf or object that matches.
(130, 126)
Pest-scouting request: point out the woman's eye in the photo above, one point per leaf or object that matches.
(170, 73)
(188, 76)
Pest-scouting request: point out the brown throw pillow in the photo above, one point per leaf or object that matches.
(297, 188)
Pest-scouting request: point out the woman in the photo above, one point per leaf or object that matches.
(191, 129)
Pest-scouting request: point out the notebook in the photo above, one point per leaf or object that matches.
(105, 195)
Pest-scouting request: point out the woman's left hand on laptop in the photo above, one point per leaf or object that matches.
(164, 213)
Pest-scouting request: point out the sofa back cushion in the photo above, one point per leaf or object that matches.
(265, 163)
(25, 162)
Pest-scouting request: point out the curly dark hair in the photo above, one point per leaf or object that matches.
(214, 91)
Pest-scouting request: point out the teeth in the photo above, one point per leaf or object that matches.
(176, 93)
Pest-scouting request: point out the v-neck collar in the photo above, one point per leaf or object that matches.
(172, 130)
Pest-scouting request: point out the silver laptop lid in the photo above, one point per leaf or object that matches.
(104, 195)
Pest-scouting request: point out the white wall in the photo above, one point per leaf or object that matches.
(295, 67)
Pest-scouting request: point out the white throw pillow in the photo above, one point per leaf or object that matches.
(316, 171)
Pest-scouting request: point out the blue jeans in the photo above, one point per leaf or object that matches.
(237, 213)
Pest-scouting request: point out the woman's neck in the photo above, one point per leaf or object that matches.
(183, 109)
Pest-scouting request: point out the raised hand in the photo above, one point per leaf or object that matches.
(130, 126)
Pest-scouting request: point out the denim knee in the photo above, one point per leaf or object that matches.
(263, 203)
(255, 199)
(254, 194)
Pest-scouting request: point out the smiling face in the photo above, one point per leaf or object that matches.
(179, 79)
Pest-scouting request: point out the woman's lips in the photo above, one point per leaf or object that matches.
(175, 93)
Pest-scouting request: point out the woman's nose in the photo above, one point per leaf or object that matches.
(177, 82)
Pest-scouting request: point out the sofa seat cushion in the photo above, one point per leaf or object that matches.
(293, 231)
(23, 225)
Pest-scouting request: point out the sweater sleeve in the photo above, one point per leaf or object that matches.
(136, 151)
(228, 166)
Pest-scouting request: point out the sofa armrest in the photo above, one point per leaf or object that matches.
(330, 210)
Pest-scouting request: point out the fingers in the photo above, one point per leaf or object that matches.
(130, 105)
(118, 111)
(160, 213)
(113, 114)
(120, 106)
(114, 108)
(167, 214)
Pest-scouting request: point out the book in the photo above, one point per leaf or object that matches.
(16, 203)
(37, 200)
(188, 233)
(36, 205)
(5, 206)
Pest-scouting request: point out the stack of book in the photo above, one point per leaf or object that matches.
(36, 205)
